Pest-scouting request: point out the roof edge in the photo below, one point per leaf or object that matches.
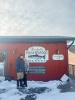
(35, 39)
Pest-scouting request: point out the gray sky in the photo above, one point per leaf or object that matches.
(37, 17)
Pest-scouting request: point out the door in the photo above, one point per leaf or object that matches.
(2, 64)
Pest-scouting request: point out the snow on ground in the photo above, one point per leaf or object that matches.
(8, 91)
(59, 96)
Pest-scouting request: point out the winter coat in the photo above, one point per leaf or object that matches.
(26, 66)
(20, 65)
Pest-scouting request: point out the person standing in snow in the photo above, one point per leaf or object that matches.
(26, 70)
(20, 67)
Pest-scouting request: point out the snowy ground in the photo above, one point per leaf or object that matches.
(35, 91)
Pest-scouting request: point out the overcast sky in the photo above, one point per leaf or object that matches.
(37, 17)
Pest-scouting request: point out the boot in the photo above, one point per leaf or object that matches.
(21, 85)
(26, 84)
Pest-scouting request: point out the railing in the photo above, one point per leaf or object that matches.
(72, 69)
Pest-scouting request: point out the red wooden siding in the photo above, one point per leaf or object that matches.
(54, 69)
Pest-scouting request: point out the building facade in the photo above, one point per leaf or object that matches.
(48, 56)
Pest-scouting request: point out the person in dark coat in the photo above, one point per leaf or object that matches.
(20, 67)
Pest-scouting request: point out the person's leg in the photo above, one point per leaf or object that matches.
(21, 82)
(18, 81)
(21, 79)
(25, 79)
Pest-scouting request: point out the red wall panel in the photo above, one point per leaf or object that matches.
(55, 69)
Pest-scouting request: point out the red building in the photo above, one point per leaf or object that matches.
(48, 56)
